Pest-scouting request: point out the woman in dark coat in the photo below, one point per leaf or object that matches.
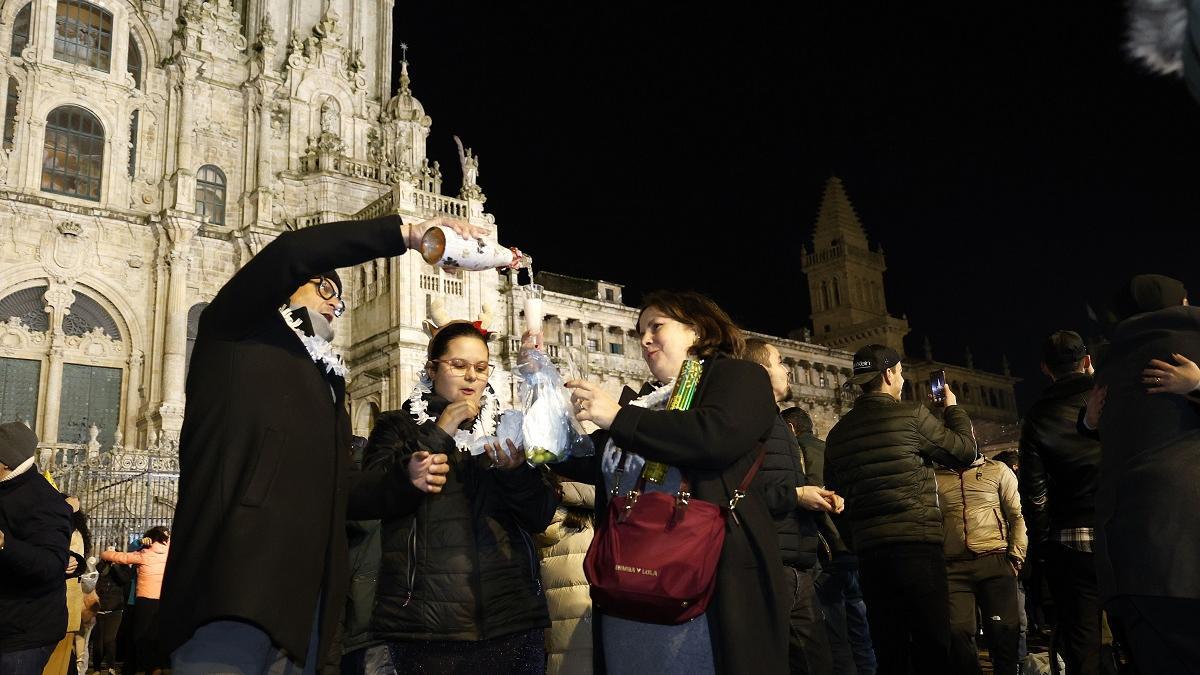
(459, 589)
(714, 444)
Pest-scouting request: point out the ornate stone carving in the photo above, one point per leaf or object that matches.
(66, 250)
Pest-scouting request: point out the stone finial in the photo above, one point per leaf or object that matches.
(928, 349)
(970, 359)
(1004, 366)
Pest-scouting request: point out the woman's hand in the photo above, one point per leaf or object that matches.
(1164, 378)
(455, 414)
(592, 404)
(428, 471)
(506, 460)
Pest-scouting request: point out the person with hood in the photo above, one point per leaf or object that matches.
(35, 536)
(150, 562)
(564, 545)
(1149, 486)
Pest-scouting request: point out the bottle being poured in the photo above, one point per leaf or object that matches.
(442, 247)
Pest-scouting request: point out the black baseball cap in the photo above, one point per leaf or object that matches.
(872, 360)
(1062, 348)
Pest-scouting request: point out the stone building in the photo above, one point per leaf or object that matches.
(849, 311)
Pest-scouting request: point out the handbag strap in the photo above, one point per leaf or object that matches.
(685, 486)
(740, 492)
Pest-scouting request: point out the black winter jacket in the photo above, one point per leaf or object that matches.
(879, 457)
(781, 473)
(1060, 468)
(37, 534)
(112, 586)
(462, 565)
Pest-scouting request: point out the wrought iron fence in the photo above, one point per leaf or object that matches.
(124, 492)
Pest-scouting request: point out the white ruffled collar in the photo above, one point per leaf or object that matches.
(485, 422)
(655, 400)
(319, 349)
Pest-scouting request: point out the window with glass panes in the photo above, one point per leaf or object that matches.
(210, 194)
(73, 155)
(133, 64)
(20, 31)
(83, 34)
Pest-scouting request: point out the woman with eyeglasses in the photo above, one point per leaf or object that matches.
(459, 589)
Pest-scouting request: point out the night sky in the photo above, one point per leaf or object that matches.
(1010, 158)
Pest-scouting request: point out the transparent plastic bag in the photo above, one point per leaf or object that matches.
(549, 429)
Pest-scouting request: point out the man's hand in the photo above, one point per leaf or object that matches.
(428, 471)
(1164, 378)
(414, 231)
(456, 413)
(1, 538)
(813, 498)
(951, 399)
(72, 565)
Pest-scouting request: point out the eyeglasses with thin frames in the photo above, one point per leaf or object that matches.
(458, 367)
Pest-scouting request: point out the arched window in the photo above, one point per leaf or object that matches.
(133, 64)
(87, 315)
(825, 295)
(837, 294)
(20, 34)
(74, 153)
(28, 305)
(10, 113)
(83, 34)
(210, 194)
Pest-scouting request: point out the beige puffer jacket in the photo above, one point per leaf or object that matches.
(569, 640)
(981, 511)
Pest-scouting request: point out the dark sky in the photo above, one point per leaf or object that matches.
(1009, 157)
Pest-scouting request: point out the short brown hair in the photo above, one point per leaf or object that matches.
(756, 351)
(715, 331)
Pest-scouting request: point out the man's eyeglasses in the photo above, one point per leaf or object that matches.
(328, 291)
(458, 367)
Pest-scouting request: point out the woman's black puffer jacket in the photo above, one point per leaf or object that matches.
(464, 566)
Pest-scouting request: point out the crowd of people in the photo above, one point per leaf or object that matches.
(891, 547)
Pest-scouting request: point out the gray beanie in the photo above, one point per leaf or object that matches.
(17, 444)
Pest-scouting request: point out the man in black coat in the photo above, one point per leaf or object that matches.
(257, 572)
(1060, 471)
(1149, 491)
(35, 535)
(794, 501)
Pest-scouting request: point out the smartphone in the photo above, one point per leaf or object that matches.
(937, 386)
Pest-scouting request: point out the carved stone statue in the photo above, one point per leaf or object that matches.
(330, 117)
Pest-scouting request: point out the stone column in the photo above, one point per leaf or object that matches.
(58, 299)
(179, 229)
(133, 397)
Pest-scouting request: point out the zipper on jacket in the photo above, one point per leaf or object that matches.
(537, 578)
(412, 568)
(962, 486)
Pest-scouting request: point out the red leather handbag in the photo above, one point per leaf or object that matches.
(655, 560)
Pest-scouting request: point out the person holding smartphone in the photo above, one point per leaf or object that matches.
(879, 457)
